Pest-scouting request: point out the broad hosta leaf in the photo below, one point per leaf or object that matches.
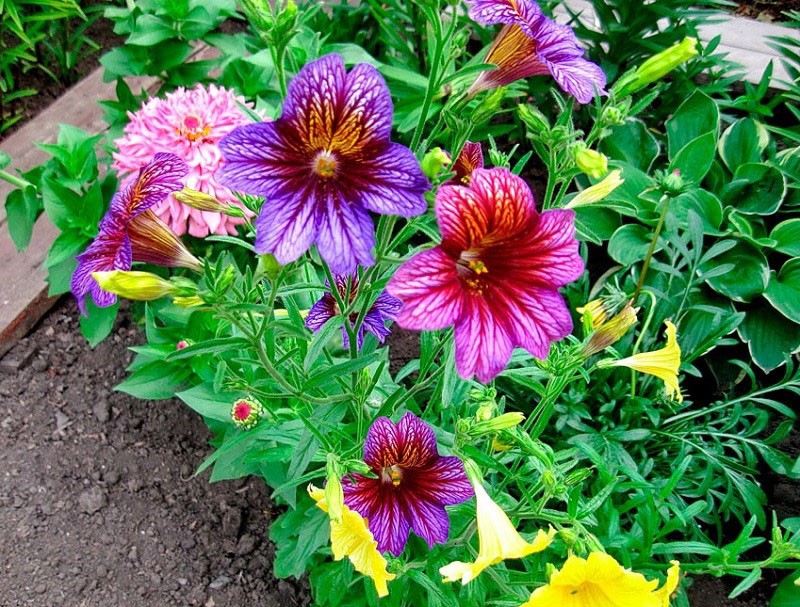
(742, 143)
(769, 336)
(756, 189)
(629, 244)
(783, 290)
(749, 276)
(704, 203)
(787, 237)
(632, 143)
(697, 116)
(787, 594)
(695, 158)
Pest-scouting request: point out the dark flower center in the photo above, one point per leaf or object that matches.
(325, 164)
(392, 474)
(471, 270)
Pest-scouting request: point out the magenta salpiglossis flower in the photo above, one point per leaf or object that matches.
(129, 231)
(384, 308)
(469, 159)
(532, 44)
(495, 276)
(413, 485)
(323, 164)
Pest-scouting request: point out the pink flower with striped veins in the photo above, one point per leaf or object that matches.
(190, 124)
(495, 276)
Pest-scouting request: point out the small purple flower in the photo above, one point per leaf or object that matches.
(129, 231)
(532, 44)
(323, 164)
(413, 485)
(385, 308)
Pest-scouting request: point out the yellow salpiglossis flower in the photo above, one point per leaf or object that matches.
(497, 538)
(663, 363)
(598, 191)
(352, 538)
(600, 581)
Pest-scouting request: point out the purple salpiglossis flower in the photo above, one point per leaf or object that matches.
(496, 275)
(413, 485)
(384, 308)
(323, 164)
(532, 44)
(113, 247)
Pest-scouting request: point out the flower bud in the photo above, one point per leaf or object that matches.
(672, 183)
(139, 286)
(489, 106)
(590, 162)
(506, 421)
(498, 444)
(182, 344)
(268, 265)
(434, 161)
(598, 191)
(245, 413)
(199, 200)
(614, 115)
(536, 122)
(611, 331)
(568, 536)
(357, 466)
(334, 495)
(656, 67)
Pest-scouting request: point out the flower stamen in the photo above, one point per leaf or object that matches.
(193, 128)
(325, 164)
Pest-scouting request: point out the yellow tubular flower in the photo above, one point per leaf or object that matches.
(611, 331)
(598, 581)
(663, 363)
(598, 191)
(352, 538)
(497, 538)
(597, 310)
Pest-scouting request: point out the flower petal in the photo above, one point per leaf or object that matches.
(428, 520)
(428, 286)
(321, 312)
(540, 317)
(382, 445)
(444, 482)
(483, 343)
(162, 176)
(489, 12)
(364, 113)
(106, 252)
(579, 77)
(506, 199)
(287, 226)
(392, 183)
(416, 441)
(346, 236)
(462, 218)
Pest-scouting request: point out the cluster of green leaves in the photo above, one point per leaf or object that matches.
(48, 36)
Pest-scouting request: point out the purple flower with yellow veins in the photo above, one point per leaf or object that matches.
(413, 484)
(324, 164)
(130, 231)
(385, 308)
(532, 44)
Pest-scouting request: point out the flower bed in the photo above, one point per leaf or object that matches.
(542, 445)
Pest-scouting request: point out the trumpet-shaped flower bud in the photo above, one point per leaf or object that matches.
(497, 538)
(205, 202)
(352, 538)
(434, 161)
(245, 413)
(598, 191)
(138, 286)
(611, 331)
(506, 421)
(656, 67)
(334, 496)
(536, 122)
(591, 162)
(663, 363)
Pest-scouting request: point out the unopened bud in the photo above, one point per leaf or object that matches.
(357, 466)
(506, 421)
(568, 536)
(139, 286)
(489, 106)
(598, 191)
(590, 162)
(334, 495)
(434, 161)
(656, 67)
(611, 331)
(577, 476)
(672, 182)
(536, 122)
(200, 201)
(245, 413)
(182, 344)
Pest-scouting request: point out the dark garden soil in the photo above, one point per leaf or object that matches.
(766, 10)
(98, 505)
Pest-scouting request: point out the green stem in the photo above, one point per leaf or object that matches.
(642, 333)
(652, 249)
(17, 182)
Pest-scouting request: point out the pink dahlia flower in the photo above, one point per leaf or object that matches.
(188, 123)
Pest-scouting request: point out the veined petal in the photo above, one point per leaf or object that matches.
(153, 242)
(483, 342)
(579, 77)
(469, 159)
(106, 252)
(392, 183)
(310, 106)
(417, 442)
(428, 520)
(463, 220)
(346, 236)
(259, 160)
(428, 286)
(443, 482)
(364, 113)
(383, 445)
(538, 316)
(507, 201)
(388, 522)
(488, 12)
(287, 225)
(514, 53)
(157, 180)
(321, 312)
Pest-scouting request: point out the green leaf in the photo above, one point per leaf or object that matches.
(5, 159)
(787, 237)
(783, 290)
(59, 276)
(61, 204)
(155, 381)
(99, 322)
(695, 159)
(749, 276)
(633, 143)
(756, 189)
(742, 143)
(298, 534)
(747, 583)
(66, 246)
(150, 30)
(696, 117)
(203, 399)
(630, 243)
(596, 224)
(22, 209)
(707, 206)
(787, 594)
(769, 336)
(210, 346)
(320, 340)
